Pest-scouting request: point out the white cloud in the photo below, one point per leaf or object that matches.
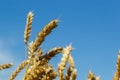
(5, 57)
(5, 53)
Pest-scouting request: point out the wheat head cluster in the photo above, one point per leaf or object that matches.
(37, 65)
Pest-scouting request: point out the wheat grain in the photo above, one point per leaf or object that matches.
(68, 73)
(73, 74)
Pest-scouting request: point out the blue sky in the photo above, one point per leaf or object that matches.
(92, 26)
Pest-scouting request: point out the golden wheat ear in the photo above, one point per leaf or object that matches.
(5, 66)
(117, 73)
(91, 76)
(118, 63)
(62, 65)
(51, 53)
(28, 27)
(45, 31)
(42, 34)
(37, 72)
(20, 67)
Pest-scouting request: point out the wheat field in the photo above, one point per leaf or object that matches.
(37, 65)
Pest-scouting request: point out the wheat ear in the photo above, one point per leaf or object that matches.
(49, 75)
(41, 35)
(116, 76)
(117, 73)
(28, 27)
(118, 64)
(62, 64)
(37, 71)
(21, 66)
(51, 53)
(91, 76)
(5, 66)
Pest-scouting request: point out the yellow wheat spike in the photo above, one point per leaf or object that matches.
(91, 76)
(118, 64)
(36, 71)
(5, 66)
(61, 66)
(41, 35)
(117, 73)
(28, 27)
(20, 67)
